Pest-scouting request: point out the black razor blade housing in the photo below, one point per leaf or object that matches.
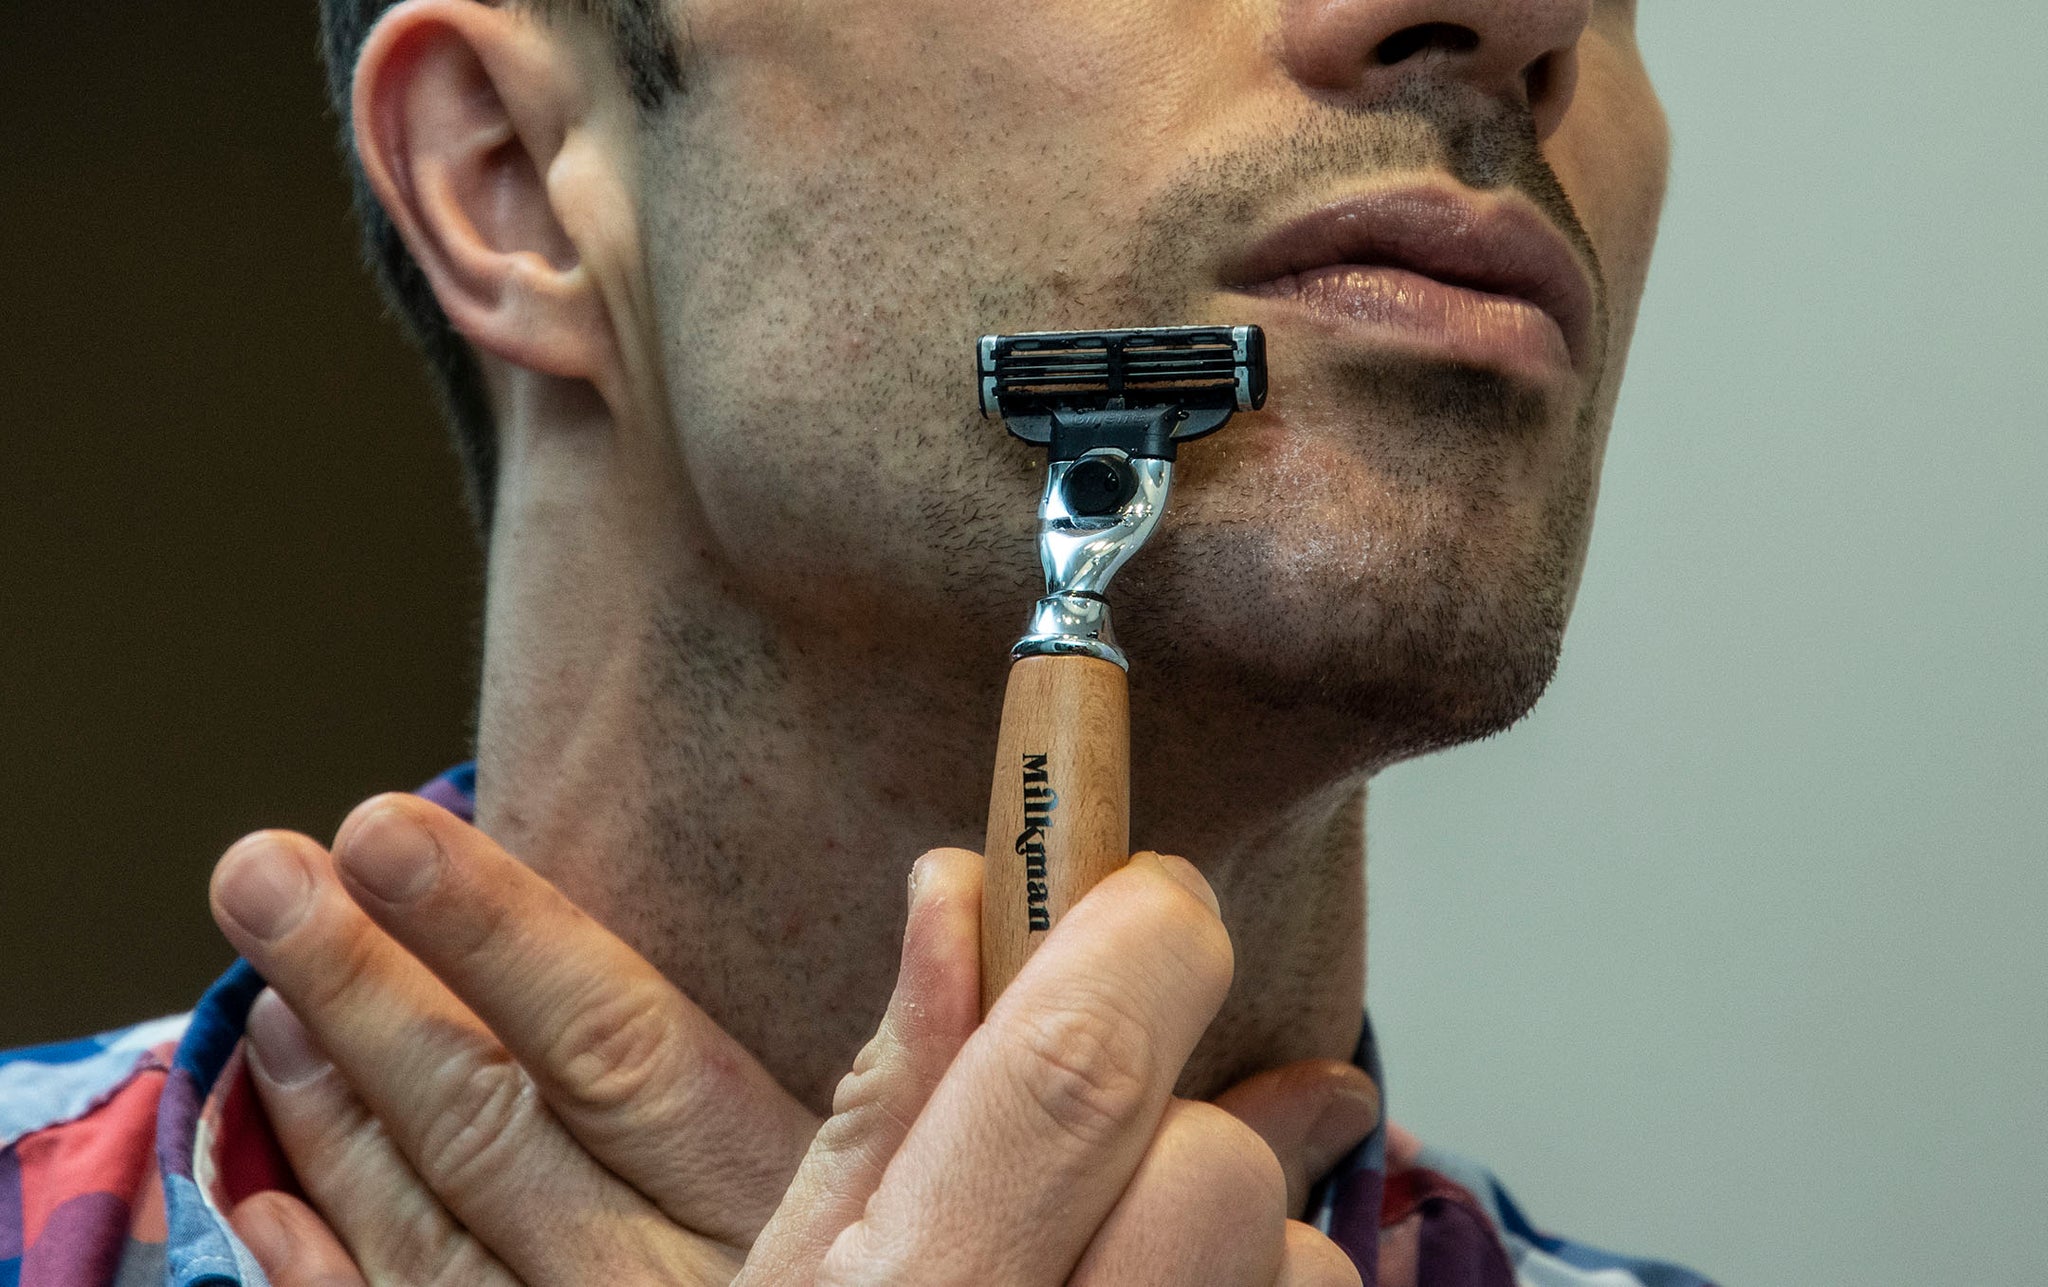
(1143, 392)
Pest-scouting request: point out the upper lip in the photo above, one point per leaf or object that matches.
(1501, 246)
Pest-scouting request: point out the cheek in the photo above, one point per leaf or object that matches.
(1611, 155)
(1052, 102)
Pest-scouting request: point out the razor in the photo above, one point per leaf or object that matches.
(1111, 408)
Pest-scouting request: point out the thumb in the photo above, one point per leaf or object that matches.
(936, 1005)
(1309, 1113)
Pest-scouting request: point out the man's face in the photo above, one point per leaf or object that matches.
(847, 195)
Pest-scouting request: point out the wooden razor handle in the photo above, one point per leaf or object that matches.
(1059, 808)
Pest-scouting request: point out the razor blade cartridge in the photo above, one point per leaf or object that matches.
(1142, 391)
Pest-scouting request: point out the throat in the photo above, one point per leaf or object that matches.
(1295, 905)
(746, 819)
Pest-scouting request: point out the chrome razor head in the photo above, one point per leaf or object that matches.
(1142, 391)
(1112, 407)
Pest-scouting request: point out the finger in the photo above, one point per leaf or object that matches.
(937, 1003)
(624, 1059)
(1312, 1260)
(1310, 1113)
(1033, 1133)
(460, 1109)
(1207, 1205)
(294, 1246)
(351, 1169)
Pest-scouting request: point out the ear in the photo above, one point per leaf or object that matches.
(461, 111)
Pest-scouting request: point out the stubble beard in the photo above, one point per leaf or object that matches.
(1440, 622)
(1397, 580)
(1409, 595)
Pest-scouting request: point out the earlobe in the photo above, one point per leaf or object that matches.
(459, 110)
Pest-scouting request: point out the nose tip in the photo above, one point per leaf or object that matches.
(1523, 51)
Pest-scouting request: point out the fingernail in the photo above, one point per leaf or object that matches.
(391, 856)
(1185, 874)
(264, 886)
(279, 1045)
(1350, 1115)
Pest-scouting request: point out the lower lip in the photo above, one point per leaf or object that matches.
(1394, 309)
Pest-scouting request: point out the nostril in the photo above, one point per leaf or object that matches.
(1443, 37)
(1539, 76)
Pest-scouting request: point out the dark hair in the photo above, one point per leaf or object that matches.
(646, 47)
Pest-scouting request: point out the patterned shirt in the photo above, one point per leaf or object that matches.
(121, 1154)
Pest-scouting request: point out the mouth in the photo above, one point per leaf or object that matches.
(1425, 270)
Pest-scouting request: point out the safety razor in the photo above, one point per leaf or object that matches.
(1111, 408)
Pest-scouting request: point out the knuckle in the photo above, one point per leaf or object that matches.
(1087, 1069)
(614, 1053)
(842, 1265)
(343, 1145)
(410, 1237)
(416, 1248)
(485, 1105)
(860, 1256)
(861, 1105)
(853, 1103)
(452, 1261)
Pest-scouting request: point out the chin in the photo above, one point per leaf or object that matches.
(1391, 585)
(1392, 669)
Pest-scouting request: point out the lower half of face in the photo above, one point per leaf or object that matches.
(1397, 535)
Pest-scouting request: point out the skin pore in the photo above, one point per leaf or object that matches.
(757, 565)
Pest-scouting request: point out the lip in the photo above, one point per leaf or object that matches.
(1492, 283)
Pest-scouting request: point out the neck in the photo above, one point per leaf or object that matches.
(741, 800)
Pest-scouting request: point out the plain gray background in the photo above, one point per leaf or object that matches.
(1733, 952)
